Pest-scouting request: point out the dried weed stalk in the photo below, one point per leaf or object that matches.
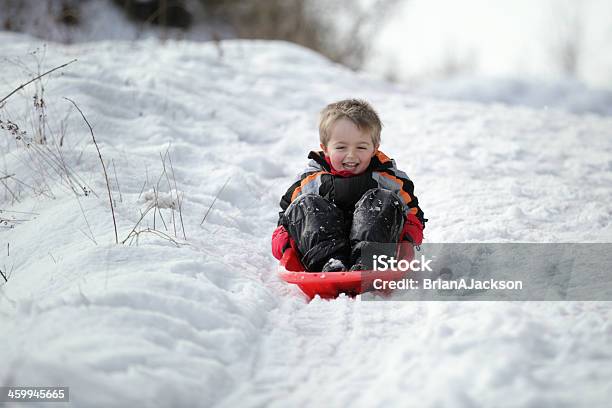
(45, 160)
(215, 200)
(157, 204)
(110, 197)
(20, 87)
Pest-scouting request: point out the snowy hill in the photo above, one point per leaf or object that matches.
(204, 321)
(569, 95)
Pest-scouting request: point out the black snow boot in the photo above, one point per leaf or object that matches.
(319, 230)
(377, 222)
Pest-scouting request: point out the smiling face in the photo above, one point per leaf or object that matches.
(349, 148)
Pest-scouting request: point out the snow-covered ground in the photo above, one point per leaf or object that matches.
(569, 95)
(207, 322)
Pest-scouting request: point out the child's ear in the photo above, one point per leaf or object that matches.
(324, 148)
(375, 151)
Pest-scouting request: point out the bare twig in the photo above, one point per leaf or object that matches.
(145, 182)
(178, 199)
(142, 189)
(63, 129)
(12, 221)
(86, 222)
(136, 235)
(155, 206)
(58, 158)
(215, 199)
(163, 159)
(10, 191)
(110, 198)
(32, 80)
(43, 160)
(58, 164)
(138, 222)
(117, 180)
(161, 216)
(18, 212)
(37, 158)
(164, 172)
(88, 237)
(27, 185)
(2, 273)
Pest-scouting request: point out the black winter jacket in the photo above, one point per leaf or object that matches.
(318, 178)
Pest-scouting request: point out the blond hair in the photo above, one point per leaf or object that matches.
(357, 111)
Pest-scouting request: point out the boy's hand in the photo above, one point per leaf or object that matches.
(280, 241)
(412, 231)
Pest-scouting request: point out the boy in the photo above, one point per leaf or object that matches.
(350, 195)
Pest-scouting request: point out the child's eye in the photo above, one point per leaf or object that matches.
(340, 148)
(361, 148)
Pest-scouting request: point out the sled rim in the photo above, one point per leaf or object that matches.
(339, 277)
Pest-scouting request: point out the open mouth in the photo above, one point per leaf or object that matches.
(350, 166)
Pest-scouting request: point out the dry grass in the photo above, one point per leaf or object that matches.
(156, 206)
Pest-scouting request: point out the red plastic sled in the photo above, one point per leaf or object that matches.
(329, 285)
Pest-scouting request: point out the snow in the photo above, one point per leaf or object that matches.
(161, 200)
(569, 95)
(335, 264)
(205, 321)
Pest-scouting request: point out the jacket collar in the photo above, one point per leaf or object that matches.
(379, 162)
